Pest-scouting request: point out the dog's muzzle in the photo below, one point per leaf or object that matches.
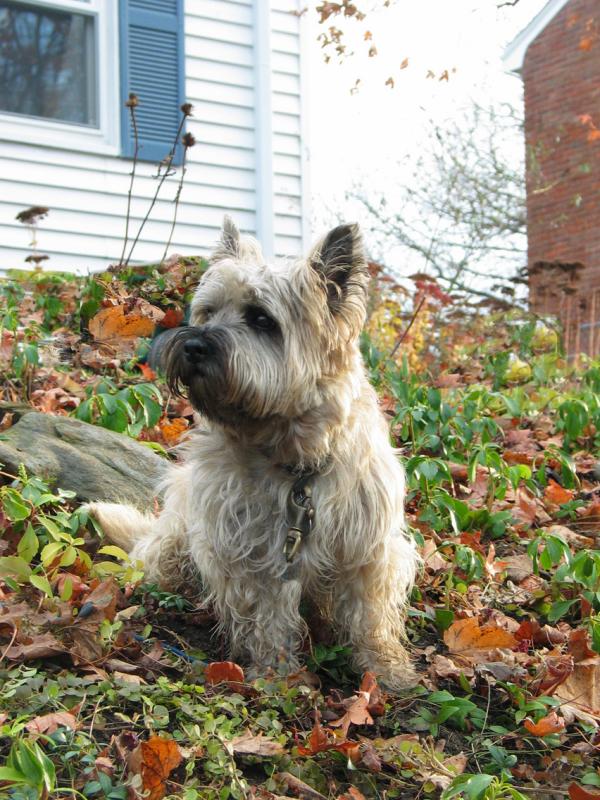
(197, 351)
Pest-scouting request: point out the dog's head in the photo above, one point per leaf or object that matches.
(265, 341)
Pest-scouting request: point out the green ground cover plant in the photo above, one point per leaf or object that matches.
(111, 689)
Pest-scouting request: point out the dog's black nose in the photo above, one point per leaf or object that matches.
(197, 350)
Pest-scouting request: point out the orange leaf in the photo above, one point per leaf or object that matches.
(159, 757)
(551, 723)
(125, 321)
(220, 671)
(593, 135)
(356, 714)
(147, 372)
(173, 429)
(376, 705)
(319, 740)
(466, 635)
(172, 318)
(586, 43)
(556, 495)
(577, 792)
(352, 794)
(404, 64)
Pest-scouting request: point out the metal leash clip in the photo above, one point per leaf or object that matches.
(300, 517)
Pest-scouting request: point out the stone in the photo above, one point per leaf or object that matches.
(95, 463)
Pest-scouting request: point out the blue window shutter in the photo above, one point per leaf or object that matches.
(152, 67)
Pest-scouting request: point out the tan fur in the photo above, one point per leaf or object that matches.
(299, 398)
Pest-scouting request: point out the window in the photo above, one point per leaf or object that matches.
(59, 74)
(47, 63)
(67, 66)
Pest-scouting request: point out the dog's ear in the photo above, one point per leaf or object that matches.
(229, 243)
(341, 261)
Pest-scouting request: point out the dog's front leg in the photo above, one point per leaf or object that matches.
(261, 616)
(368, 610)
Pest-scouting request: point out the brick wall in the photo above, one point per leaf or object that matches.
(561, 75)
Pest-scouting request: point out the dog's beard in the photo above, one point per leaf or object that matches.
(209, 383)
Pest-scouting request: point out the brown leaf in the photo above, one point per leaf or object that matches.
(556, 495)
(154, 760)
(48, 723)
(298, 787)
(443, 667)
(103, 599)
(582, 687)
(125, 321)
(466, 635)
(352, 794)
(356, 714)
(432, 558)
(579, 645)
(530, 630)
(577, 792)
(518, 567)
(44, 645)
(250, 744)
(374, 694)
(222, 671)
(551, 723)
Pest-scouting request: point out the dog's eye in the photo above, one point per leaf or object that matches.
(260, 320)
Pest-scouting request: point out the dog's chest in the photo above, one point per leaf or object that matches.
(242, 505)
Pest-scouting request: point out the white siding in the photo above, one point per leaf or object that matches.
(87, 192)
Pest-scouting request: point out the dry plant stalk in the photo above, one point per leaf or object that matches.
(131, 105)
(166, 165)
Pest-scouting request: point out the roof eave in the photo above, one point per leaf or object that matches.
(514, 53)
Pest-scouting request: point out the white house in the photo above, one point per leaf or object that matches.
(66, 69)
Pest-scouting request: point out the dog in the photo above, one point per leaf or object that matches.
(289, 486)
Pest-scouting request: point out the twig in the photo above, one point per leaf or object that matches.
(592, 337)
(131, 105)
(10, 644)
(408, 327)
(188, 141)
(186, 110)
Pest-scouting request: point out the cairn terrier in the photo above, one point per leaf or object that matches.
(289, 487)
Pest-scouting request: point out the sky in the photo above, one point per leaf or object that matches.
(361, 136)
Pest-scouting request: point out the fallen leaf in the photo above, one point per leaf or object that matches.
(154, 760)
(466, 635)
(255, 745)
(577, 792)
(432, 558)
(101, 602)
(48, 723)
(147, 372)
(556, 495)
(222, 671)
(582, 687)
(579, 645)
(443, 667)
(518, 567)
(352, 794)
(44, 645)
(356, 714)
(125, 321)
(298, 787)
(551, 723)
(173, 429)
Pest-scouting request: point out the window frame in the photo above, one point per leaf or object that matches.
(105, 138)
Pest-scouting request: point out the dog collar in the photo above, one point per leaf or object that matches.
(300, 515)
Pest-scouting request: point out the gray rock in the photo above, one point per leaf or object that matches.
(96, 463)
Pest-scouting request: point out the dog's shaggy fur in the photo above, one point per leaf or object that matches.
(271, 362)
